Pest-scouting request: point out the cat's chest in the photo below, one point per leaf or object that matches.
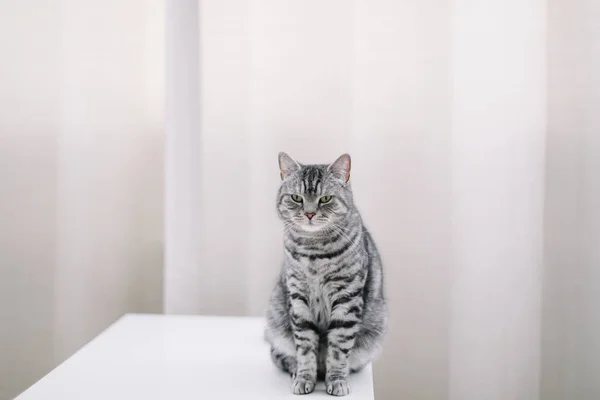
(319, 295)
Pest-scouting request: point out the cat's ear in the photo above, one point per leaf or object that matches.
(287, 165)
(341, 167)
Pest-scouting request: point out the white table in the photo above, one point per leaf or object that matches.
(152, 357)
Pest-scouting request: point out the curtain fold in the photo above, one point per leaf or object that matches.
(571, 323)
(81, 154)
(182, 158)
(498, 149)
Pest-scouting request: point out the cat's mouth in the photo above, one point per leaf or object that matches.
(309, 225)
(313, 225)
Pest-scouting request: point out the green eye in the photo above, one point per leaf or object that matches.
(297, 198)
(325, 199)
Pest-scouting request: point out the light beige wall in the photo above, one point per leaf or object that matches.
(80, 176)
(571, 323)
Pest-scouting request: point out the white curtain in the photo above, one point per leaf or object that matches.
(474, 133)
(571, 293)
(81, 171)
(473, 128)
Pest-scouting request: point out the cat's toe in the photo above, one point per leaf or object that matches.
(302, 386)
(338, 388)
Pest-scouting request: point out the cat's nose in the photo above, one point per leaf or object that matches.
(309, 215)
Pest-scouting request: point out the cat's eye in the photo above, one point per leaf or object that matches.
(297, 198)
(325, 199)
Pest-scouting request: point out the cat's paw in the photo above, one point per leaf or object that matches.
(338, 387)
(302, 386)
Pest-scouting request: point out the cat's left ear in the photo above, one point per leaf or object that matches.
(341, 167)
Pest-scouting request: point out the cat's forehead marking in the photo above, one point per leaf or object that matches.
(311, 177)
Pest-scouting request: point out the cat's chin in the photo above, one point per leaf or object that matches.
(312, 229)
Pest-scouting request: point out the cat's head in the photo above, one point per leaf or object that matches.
(314, 198)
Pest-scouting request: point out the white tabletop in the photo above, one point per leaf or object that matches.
(152, 357)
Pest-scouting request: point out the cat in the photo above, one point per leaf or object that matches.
(327, 315)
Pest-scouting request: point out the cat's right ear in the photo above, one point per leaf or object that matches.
(287, 165)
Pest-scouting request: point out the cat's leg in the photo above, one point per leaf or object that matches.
(341, 335)
(306, 339)
(278, 332)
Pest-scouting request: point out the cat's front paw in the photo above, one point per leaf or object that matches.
(302, 385)
(338, 387)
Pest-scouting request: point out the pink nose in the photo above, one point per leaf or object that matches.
(310, 215)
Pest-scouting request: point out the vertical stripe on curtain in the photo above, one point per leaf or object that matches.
(498, 147)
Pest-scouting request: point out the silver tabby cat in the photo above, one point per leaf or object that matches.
(327, 314)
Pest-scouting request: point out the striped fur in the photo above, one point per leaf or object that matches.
(327, 314)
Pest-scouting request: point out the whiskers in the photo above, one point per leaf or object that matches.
(353, 243)
(289, 226)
